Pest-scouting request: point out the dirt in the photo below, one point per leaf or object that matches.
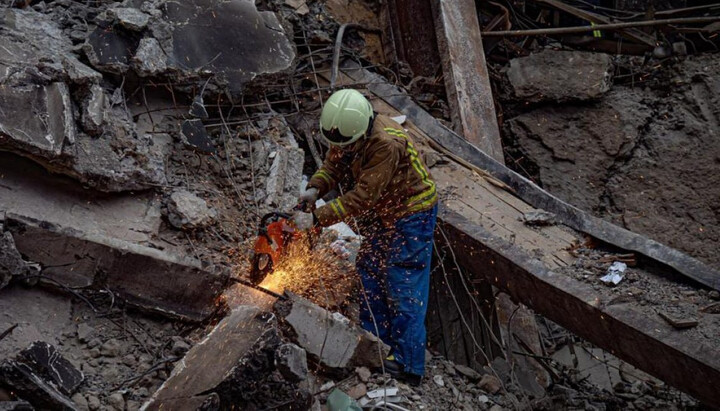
(644, 157)
(123, 355)
(653, 295)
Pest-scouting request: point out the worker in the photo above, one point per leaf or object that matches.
(393, 200)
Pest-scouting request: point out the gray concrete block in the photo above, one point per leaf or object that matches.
(561, 76)
(328, 337)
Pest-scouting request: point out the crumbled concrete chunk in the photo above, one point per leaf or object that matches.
(186, 210)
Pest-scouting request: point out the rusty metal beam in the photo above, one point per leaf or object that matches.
(466, 76)
(620, 329)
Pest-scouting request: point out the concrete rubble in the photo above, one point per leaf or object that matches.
(140, 142)
(235, 364)
(39, 372)
(186, 210)
(330, 338)
(560, 76)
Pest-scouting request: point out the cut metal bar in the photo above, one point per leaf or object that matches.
(613, 26)
(466, 76)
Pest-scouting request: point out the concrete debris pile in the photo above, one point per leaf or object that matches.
(622, 154)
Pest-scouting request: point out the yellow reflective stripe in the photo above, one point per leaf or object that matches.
(335, 208)
(341, 206)
(323, 175)
(425, 194)
(428, 196)
(596, 33)
(425, 204)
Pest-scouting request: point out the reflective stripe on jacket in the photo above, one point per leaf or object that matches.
(391, 180)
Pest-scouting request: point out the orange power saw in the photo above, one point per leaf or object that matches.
(275, 234)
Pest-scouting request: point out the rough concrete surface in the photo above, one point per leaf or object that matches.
(40, 317)
(229, 38)
(226, 362)
(646, 159)
(560, 76)
(145, 277)
(330, 338)
(186, 210)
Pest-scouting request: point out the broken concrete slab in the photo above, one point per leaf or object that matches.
(561, 76)
(93, 115)
(130, 18)
(83, 240)
(34, 46)
(231, 39)
(235, 361)
(36, 119)
(29, 190)
(194, 135)
(52, 366)
(283, 183)
(11, 262)
(149, 59)
(145, 277)
(330, 340)
(291, 361)
(185, 210)
(110, 50)
(42, 376)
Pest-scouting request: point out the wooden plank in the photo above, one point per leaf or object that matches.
(690, 365)
(466, 76)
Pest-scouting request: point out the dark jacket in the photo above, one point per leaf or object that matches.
(390, 178)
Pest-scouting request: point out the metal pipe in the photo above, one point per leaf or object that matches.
(611, 26)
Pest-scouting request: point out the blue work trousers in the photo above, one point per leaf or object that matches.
(394, 266)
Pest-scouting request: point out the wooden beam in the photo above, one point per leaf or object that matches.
(620, 329)
(466, 76)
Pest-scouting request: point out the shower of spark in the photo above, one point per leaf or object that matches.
(317, 274)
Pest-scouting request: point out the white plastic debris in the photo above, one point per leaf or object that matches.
(615, 273)
(382, 392)
(339, 248)
(439, 380)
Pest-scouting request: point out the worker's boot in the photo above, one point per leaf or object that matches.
(397, 371)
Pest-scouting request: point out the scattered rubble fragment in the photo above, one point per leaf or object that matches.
(186, 210)
(40, 374)
(234, 365)
(330, 338)
(560, 76)
(539, 218)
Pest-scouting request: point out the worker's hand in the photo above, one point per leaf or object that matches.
(309, 196)
(303, 221)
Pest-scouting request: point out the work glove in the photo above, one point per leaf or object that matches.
(303, 221)
(310, 196)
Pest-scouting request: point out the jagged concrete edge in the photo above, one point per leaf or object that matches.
(528, 191)
(128, 247)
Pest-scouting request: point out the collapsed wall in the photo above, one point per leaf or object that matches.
(643, 157)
